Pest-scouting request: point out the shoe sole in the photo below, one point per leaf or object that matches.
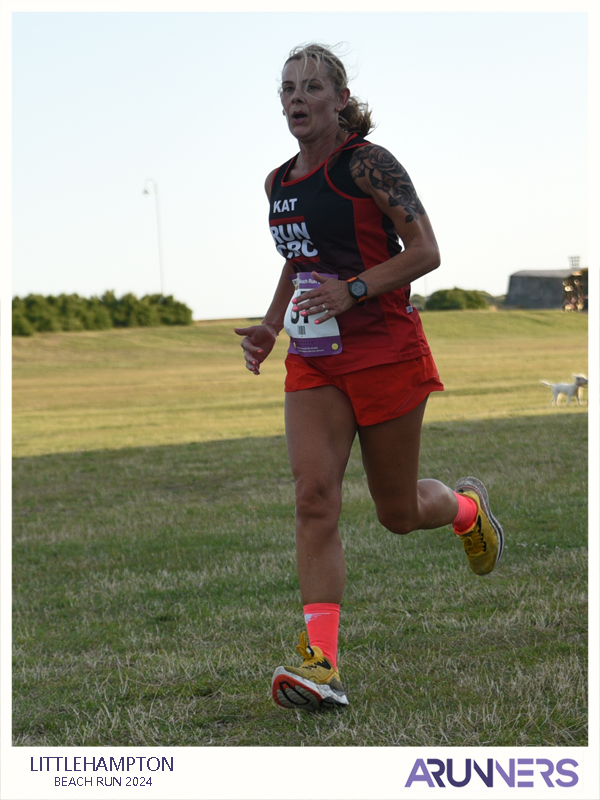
(477, 486)
(291, 691)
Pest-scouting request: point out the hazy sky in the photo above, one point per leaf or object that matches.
(486, 111)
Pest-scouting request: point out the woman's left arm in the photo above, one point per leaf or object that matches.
(377, 173)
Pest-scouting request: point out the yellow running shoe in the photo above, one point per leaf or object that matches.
(312, 686)
(484, 542)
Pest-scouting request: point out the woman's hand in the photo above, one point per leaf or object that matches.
(257, 343)
(330, 299)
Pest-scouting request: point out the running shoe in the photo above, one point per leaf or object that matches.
(314, 685)
(484, 542)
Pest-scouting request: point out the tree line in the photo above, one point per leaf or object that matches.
(455, 299)
(70, 312)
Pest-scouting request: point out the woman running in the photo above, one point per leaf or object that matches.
(347, 220)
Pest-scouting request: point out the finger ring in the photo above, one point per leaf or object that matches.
(324, 307)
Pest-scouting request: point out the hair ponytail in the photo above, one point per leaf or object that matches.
(356, 117)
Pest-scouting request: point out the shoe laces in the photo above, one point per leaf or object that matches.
(474, 542)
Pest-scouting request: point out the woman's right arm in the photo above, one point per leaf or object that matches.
(259, 340)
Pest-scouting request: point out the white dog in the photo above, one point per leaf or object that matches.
(568, 389)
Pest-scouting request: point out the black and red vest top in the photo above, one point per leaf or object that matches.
(324, 222)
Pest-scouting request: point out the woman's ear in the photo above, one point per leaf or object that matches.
(343, 99)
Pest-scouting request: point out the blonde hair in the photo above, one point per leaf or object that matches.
(356, 116)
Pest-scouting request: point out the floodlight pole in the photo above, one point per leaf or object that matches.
(574, 263)
(158, 230)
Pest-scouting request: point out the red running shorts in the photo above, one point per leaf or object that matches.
(378, 393)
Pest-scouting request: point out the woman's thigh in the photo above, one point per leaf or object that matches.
(320, 428)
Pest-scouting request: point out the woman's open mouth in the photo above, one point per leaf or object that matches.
(299, 116)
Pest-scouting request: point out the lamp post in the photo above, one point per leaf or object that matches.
(147, 190)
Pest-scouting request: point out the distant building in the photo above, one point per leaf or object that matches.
(548, 288)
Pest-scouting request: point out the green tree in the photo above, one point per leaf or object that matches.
(21, 325)
(449, 299)
(41, 313)
(70, 312)
(95, 315)
(68, 308)
(418, 301)
(170, 311)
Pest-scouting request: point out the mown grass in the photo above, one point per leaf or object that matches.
(155, 591)
(154, 386)
(155, 587)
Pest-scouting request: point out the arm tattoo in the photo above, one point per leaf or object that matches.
(388, 175)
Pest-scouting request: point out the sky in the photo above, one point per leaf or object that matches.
(486, 111)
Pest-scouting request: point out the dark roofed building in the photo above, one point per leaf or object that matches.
(547, 288)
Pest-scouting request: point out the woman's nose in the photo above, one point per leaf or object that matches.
(298, 95)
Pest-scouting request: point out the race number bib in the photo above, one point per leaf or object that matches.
(307, 338)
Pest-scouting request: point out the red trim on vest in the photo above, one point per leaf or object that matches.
(287, 221)
(334, 187)
(316, 169)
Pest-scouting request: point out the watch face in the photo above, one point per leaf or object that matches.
(357, 289)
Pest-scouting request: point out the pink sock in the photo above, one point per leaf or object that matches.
(322, 621)
(467, 514)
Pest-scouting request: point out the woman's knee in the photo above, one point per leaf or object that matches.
(396, 520)
(317, 499)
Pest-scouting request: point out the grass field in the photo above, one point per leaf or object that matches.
(155, 386)
(154, 577)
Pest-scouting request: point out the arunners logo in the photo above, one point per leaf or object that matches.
(511, 773)
(291, 238)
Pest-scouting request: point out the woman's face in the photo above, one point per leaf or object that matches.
(310, 101)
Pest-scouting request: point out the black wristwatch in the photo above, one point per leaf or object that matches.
(358, 291)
